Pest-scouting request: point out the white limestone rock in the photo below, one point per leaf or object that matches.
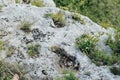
(10, 21)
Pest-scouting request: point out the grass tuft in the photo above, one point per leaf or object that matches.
(57, 18)
(38, 3)
(33, 50)
(26, 25)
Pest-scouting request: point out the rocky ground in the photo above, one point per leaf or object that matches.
(55, 44)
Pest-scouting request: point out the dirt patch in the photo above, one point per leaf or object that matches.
(66, 60)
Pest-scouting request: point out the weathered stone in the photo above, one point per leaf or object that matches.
(38, 35)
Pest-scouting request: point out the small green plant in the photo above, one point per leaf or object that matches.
(68, 75)
(57, 18)
(38, 3)
(77, 17)
(86, 43)
(25, 26)
(33, 50)
(1, 45)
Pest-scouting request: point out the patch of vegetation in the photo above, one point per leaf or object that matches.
(102, 58)
(26, 25)
(7, 70)
(57, 18)
(4, 74)
(68, 75)
(33, 50)
(77, 17)
(87, 44)
(114, 45)
(38, 3)
(1, 45)
(104, 12)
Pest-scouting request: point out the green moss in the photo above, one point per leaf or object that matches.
(38, 3)
(33, 50)
(57, 18)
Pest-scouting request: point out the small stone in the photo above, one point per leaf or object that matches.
(44, 72)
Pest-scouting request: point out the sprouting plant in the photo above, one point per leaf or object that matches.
(38, 3)
(33, 49)
(77, 17)
(57, 18)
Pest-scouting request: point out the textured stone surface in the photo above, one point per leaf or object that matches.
(44, 34)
